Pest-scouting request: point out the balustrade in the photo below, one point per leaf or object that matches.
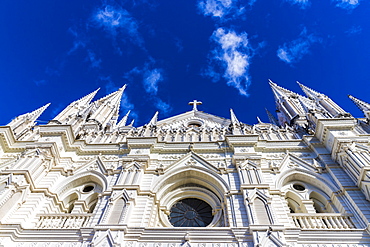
(322, 221)
(65, 221)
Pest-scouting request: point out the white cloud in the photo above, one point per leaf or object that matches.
(301, 3)
(116, 19)
(162, 106)
(292, 52)
(233, 53)
(127, 105)
(151, 80)
(347, 4)
(216, 8)
(220, 8)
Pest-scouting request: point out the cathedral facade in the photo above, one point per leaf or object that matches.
(194, 179)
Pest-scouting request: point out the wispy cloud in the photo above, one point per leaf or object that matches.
(347, 4)
(40, 82)
(151, 80)
(91, 57)
(115, 19)
(354, 30)
(179, 44)
(293, 52)
(220, 8)
(81, 42)
(127, 105)
(233, 54)
(78, 42)
(303, 4)
(56, 110)
(163, 106)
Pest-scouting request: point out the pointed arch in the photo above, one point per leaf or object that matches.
(9, 205)
(117, 206)
(82, 188)
(117, 211)
(261, 211)
(306, 176)
(79, 179)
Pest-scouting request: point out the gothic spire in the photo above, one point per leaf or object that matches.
(75, 108)
(364, 107)
(279, 92)
(312, 94)
(307, 104)
(107, 108)
(234, 120)
(289, 109)
(272, 118)
(332, 109)
(132, 123)
(26, 121)
(123, 121)
(153, 121)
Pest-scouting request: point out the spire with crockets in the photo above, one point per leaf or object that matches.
(105, 110)
(289, 107)
(25, 122)
(298, 110)
(364, 107)
(323, 101)
(74, 110)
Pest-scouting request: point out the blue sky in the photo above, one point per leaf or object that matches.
(221, 52)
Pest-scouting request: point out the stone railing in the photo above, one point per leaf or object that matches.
(65, 221)
(322, 221)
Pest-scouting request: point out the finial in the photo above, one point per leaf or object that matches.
(234, 120)
(195, 103)
(122, 88)
(259, 120)
(132, 123)
(272, 118)
(154, 119)
(123, 121)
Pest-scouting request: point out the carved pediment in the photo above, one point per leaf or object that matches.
(191, 160)
(98, 165)
(291, 161)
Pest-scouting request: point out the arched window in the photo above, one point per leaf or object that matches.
(261, 212)
(9, 204)
(302, 197)
(69, 201)
(81, 198)
(116, 212)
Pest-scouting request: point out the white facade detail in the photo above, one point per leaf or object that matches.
(194, 179)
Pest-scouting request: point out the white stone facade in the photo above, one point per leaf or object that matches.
(85, 179)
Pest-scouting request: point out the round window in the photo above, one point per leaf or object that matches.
(191, 212)
(194, 123)
(299, 187)
(88, 188)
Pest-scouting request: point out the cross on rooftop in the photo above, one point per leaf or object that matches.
(195, 103)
